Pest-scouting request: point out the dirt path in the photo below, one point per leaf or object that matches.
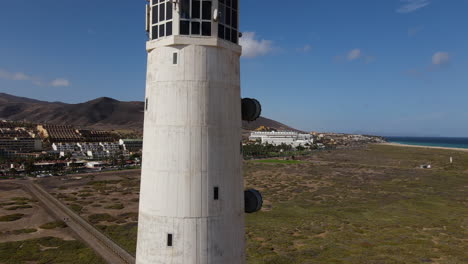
(102, 245)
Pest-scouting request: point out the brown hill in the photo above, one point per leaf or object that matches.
(102, 113)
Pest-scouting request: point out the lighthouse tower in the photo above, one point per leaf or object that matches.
(192, 200)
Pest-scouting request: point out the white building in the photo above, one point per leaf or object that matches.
(294, 139)
(89, 150)
(110, 147)
(64, 147)
(98, 154)
(95, 164)
(94, 147)
(132, 145)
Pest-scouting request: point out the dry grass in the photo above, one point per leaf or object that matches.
(372, 205)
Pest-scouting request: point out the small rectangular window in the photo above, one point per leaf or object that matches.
(185, 9)
(155, 32)
(162, 12)
(216, 193)
(169, 29)
(206, 28)
(174, 58)
(221, 31)
(235, 4)
(206, 10)
(195, 28)
(169, 10)
(234, 36)
(169, 240)
(222, 15)
(155, 15)
(196, 9)
(227, 35)
(146, 104)
(234, 19)
(228, 16)
(184, 27)
(162, 30)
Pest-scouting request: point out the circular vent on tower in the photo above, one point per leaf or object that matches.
(253, 201)
(251, 109)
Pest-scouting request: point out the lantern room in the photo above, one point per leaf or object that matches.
(194, 18)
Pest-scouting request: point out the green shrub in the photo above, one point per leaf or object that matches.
(24, 231)
(59, 251)
(53, 225)
(124, 235)
(16, 207)
(76, 207)
(11, 218)
(96, 218)
(20, 199)
(115, 206)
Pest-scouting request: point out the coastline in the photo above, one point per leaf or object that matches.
(426, 147)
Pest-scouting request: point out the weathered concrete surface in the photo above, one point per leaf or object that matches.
(192, 145)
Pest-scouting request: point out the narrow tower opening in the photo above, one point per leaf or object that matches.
(174, 58)
(216, 193)
(169, 240)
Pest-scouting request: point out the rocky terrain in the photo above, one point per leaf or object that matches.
(102, 113)
(348, 140)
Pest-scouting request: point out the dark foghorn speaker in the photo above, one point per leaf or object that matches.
(251, 109)
(253, 201)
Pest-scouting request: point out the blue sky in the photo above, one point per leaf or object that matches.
(389, 67)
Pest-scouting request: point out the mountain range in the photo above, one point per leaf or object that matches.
(102, 113)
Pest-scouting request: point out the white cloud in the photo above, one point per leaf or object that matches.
(369, 59)
(412, 5)
(14, 76)
(441, 58)
(414, 31)
(252, 47)
(354, 54)
(20, 76)
(60, 83)
(305, 49)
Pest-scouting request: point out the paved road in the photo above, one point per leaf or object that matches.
(102, 245)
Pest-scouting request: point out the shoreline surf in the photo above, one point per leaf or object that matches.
(421, 146)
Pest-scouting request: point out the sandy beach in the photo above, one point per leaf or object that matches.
(426, 147)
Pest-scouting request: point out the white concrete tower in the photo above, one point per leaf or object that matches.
(192, 198)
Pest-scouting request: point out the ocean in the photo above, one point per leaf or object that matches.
(431, 141)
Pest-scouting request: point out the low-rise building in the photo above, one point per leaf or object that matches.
(48, 166)
(19, 140)
(110, 147)
(59, 133)
(8, 154)
(21, 144)
(64, 147)
(96, 164)
(132, 145)
(294, 139)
